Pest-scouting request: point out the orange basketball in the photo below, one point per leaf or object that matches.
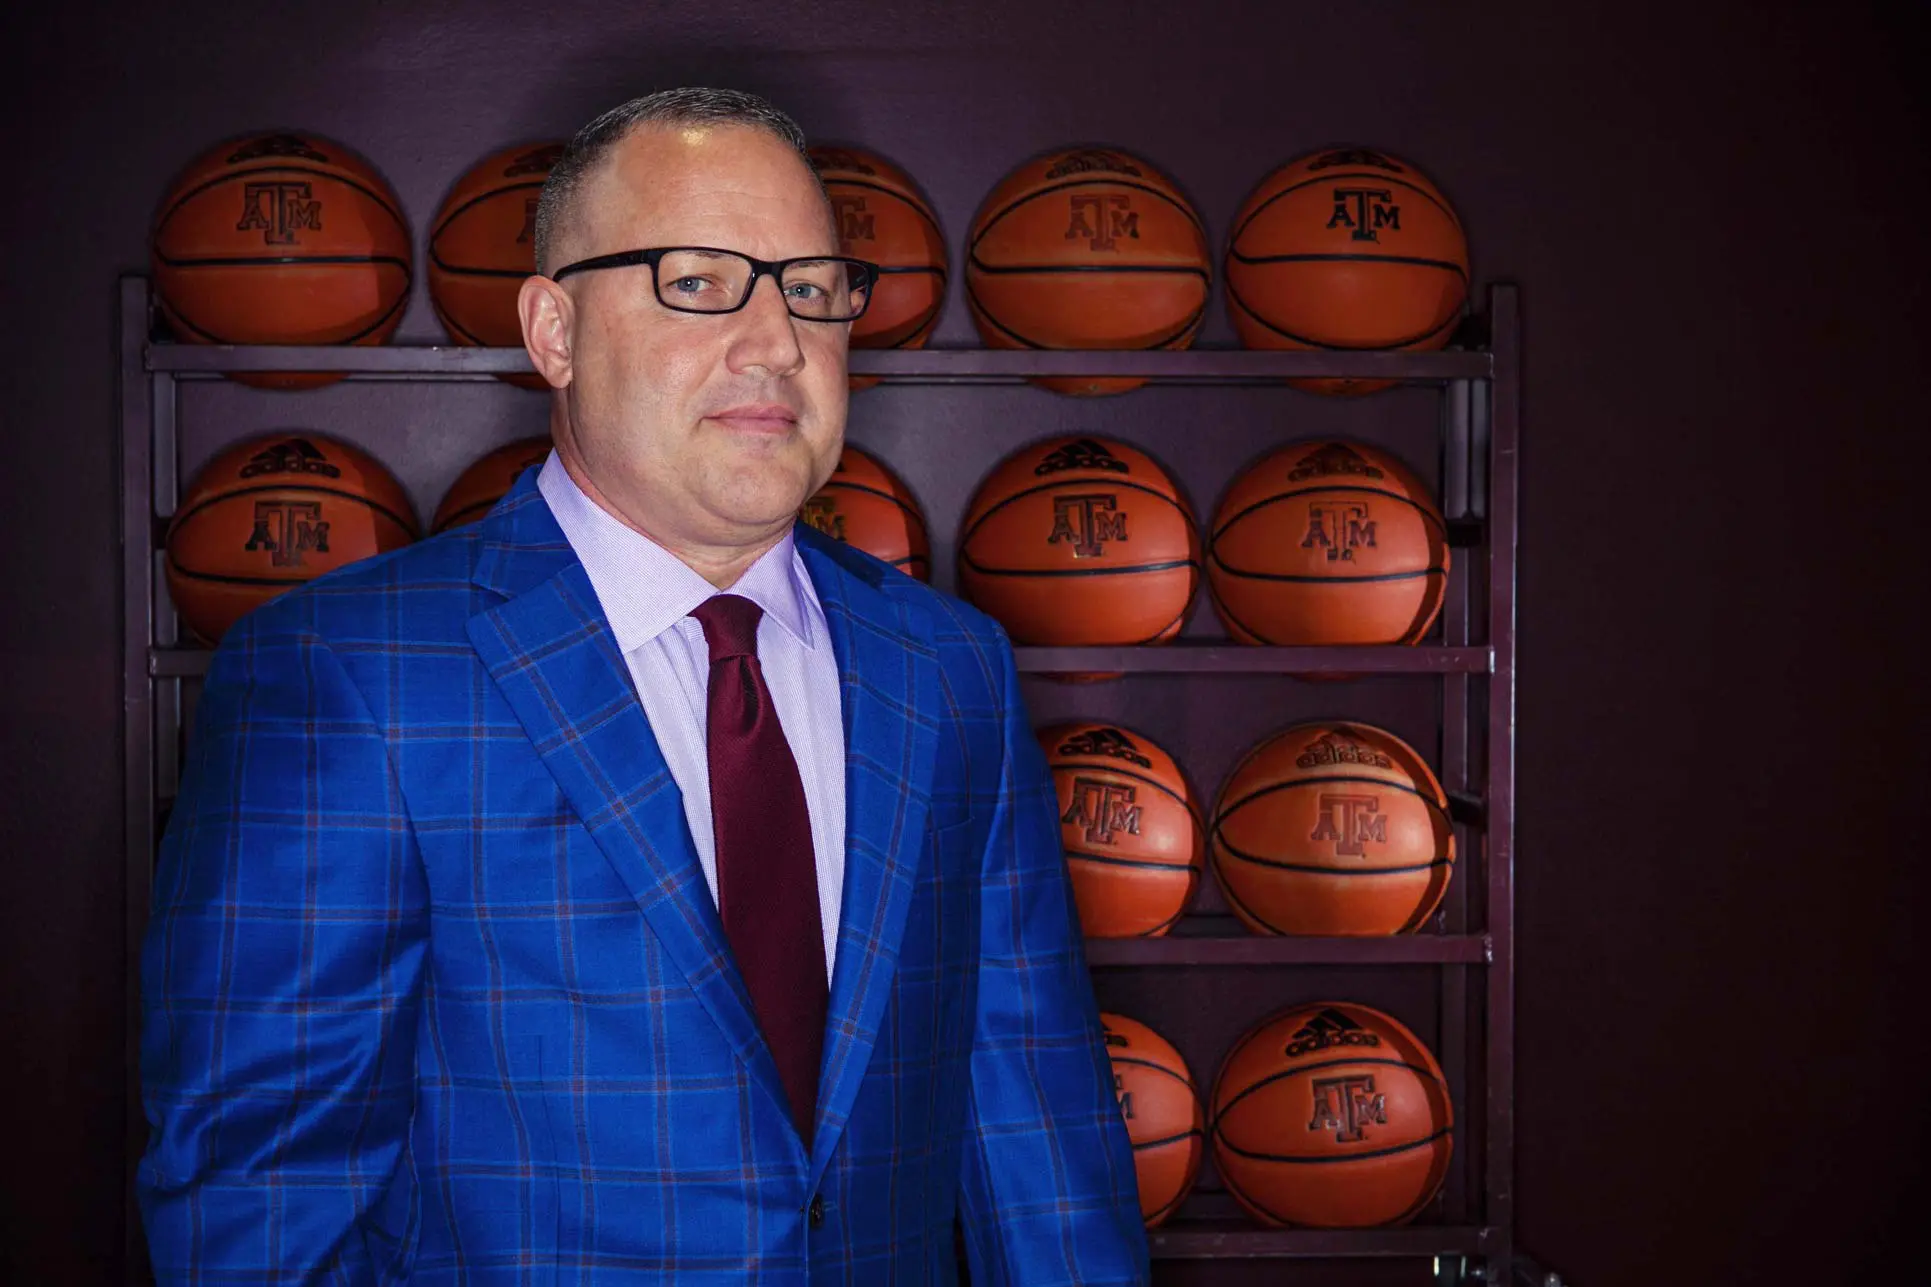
(1332, 829)
(478, 488)
(1087, 248)
(1081, 541)
(865, 504)
(1130, 825)
(281, 239)
(483, 244)
(1162, 1112)
(1327, 543)
(1346, 249)
(272, 513)
(1332, 1115)
(884, 218)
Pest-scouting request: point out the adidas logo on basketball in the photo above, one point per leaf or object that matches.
(1108, 742)
(1083, 453)
(1089, 161)
(1329, 750)
(1355, 156)
(833, 158)
(1326, 1030)
(295, 456)
(538, 162)
(276, 145)
(1332, 458)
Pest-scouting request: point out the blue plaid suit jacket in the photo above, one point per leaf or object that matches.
(435, 991)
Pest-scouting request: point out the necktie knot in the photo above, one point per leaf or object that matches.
(730, 624)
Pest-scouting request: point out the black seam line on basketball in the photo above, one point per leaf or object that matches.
(987, 225)
(1193, 883)
(1336, 1157)
(1240, 904)
(402, 298)
(1169, 566)
(1134, 1061)
(1203, 274)
(462, 515)
(873, 491)
(1404, 342)
(1412, 260)
(1427, 514)
(1221, 1110)
(280, 261)
(442, 225)
(457, 270)
(181, 520)
(1234, 851)
(456, 328)
(222, 579)
(1326, 580)
(1428, 1195)
(1086, 766)
(1336, 777)
(1418, 190)
(160, 225)
(1146, 864)
(980, 310)
(900, 270)
(1161, 1213)
(1171, 1139)
(917, 203)
(1036, 488)
(1227, 614)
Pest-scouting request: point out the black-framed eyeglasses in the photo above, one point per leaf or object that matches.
(704, 279)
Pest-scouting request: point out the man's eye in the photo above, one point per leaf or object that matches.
(692, 285)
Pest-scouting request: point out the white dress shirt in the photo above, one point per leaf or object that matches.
(648, 594)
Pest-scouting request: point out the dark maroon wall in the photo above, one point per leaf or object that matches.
(1717, 221)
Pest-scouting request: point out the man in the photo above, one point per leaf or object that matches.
(535, 911)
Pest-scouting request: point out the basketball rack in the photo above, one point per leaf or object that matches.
(1470, 944)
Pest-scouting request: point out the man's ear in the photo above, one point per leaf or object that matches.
(548, 315)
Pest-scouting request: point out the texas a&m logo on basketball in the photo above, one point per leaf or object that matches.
(526, 235)
(278, 145)
(1335, 748)
(1350, 821)
(1365, 211)
(821, 513)
(1092, 160)
(855, 222)
(1326, 1030)
(1115, 1041)
(1103, 221)
(1339, 529)
(1346, 1105)
(1109, 742)
(1329, 459)
(1087, 521)
(280, 208)
(288, 529)
(1082, 453)
(1102, 810)
(293, 456)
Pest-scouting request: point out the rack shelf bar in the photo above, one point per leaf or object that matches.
(941, 365)
(1259, 949)
(1229, 1240)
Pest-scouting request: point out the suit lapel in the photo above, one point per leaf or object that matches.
(889, 694)
(551, 653)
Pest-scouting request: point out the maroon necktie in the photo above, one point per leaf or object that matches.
(767, 879)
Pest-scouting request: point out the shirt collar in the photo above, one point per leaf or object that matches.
(645, 589)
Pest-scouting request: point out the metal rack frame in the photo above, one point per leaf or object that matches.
(1480, 430)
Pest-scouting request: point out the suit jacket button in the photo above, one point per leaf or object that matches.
(816, 1212)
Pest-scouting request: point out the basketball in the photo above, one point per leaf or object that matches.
(884, 218)
(482, 245)
(1081, 541)
(1332, 1115)
(1327, 543)
(1130, 826)
(864, 504)
(272, 513)
(1162, 1112)
(478, 488)
(1333, 829)
(1346, 250)
(1087, 248)
(281, 239)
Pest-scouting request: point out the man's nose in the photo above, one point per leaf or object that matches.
(767, 335)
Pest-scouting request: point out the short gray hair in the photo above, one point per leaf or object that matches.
(669, 107)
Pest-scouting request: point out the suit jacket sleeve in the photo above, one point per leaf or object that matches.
(281, 982)
(1048, 1191)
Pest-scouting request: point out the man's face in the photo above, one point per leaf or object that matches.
(701, 430)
